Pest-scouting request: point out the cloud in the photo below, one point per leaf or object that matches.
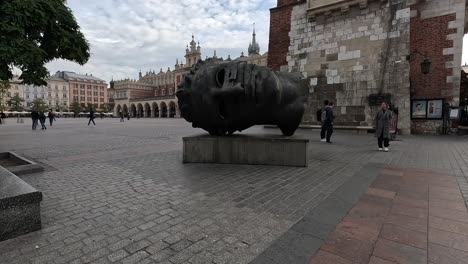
(127, 36)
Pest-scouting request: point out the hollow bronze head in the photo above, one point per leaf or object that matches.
(224, 97)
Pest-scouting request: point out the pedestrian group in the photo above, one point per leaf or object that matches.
(382, 123)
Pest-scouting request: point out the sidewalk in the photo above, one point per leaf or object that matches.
(406, 216)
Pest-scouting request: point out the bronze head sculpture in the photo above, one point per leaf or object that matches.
(228, 96)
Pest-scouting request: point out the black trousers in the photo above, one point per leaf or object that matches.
(327, 131)
(383, 140)
(91, 120)
(322, 131)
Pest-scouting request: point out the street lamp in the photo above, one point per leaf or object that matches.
(425, 65)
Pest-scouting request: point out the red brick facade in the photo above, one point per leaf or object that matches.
(280, 25)
(430, 35)
(141, 93)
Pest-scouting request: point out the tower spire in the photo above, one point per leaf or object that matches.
(254, 48)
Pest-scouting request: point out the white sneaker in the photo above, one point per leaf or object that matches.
(380, 149)
(323, 140)
(386, 149)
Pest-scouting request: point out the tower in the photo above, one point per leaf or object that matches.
(254, 48)
(192, 53)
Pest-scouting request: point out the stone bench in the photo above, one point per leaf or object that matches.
(358, 129)
(19, 206)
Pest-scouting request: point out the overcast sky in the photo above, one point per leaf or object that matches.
(127, 36)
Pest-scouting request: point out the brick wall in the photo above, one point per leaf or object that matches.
(430, 36)
(280, 24)
(140, 93)
(437, 27)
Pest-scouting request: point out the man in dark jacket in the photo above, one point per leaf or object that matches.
(91, 116)
(319, 118)
(328, 122)
(51, 117)
(35, 118)
(42, 119)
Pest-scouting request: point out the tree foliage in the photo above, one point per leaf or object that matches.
(76, 107)
(16, 103)
(105, 108)
(39, 104)
(35, 32)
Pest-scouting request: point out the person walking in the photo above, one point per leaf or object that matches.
(35, 118)
(91, 116)
(382, 126)
(42, 119)
(121, 116)
(51, 117)
(2, 118)
(328, 118)
(320, 113)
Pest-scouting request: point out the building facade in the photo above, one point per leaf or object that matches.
(153, 93)
(57, 96)
(83, 88)
(16, 89)
(361, 52)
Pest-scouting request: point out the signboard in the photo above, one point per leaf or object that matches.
(454, 113)
(435, 109)
(419, 109)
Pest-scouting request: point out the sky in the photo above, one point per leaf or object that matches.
(129, 35)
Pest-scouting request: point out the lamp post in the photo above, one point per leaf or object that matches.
(425, 65)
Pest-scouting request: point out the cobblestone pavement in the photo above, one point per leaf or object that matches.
(118, 192)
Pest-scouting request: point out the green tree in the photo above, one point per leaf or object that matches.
(75, 108)
(39, 104)
(35, 32)
(4, 87)
(16, 103)
(105, 108)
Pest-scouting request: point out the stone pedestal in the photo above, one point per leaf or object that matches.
(19, 206)
(246, 149)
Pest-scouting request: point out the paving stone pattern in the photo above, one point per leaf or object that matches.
(406, 216)
(118, 192)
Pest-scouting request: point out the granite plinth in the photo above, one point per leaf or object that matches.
(19, 206)
(246, 149)
(17, 164)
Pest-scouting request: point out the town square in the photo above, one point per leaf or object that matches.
(276, 131)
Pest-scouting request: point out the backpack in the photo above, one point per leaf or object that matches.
(324, 115)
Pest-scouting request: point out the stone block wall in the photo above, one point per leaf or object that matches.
(280, 24)
(348, 55)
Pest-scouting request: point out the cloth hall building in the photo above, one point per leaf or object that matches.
(153, 93)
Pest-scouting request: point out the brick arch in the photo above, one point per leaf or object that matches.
(154, 110)
(172, 109)
(147, 112)
(139, 109)
(133, 110)
(163, 109)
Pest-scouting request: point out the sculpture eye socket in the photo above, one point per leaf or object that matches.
(220, 77)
